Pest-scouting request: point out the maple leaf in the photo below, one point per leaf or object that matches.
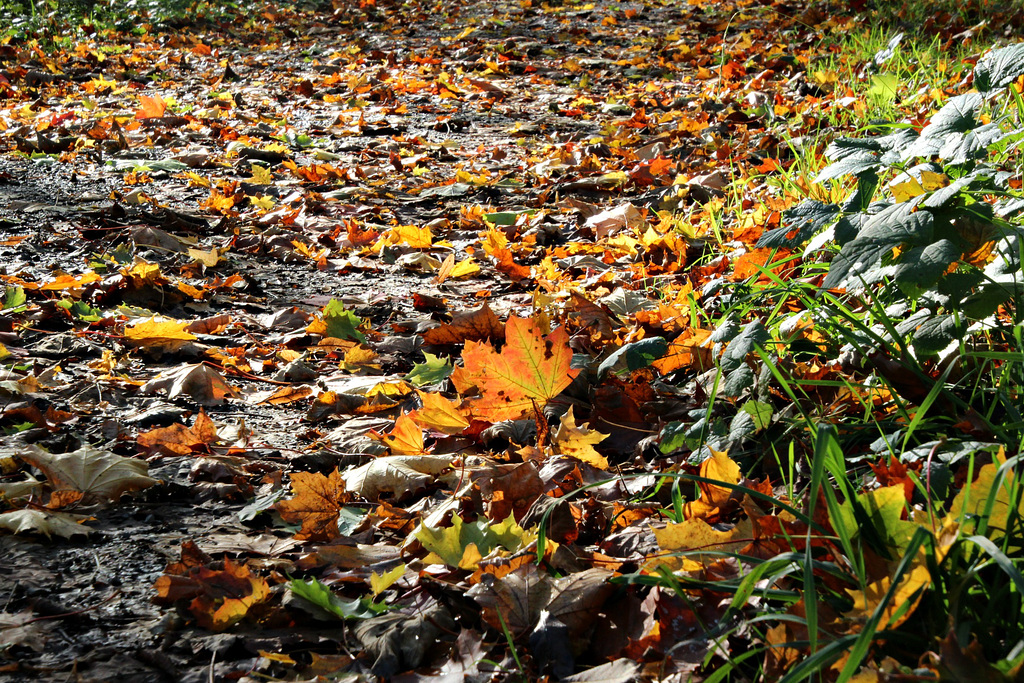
(151, 107)
(406, 438)
(178, 439)
(199, 382)
(530, 370)
(226, 595)
(439, 414)
(399, 475)
(167, 335)
(713, 498)
(475, 325)
(316, 504)
(47, 522)
(578, 442)
(95, 473)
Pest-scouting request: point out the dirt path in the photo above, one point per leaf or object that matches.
(236, 179)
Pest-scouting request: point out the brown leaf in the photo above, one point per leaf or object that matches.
(316, 503)
(201, 383)
(97, 474)
(177, 439)
(478, 325)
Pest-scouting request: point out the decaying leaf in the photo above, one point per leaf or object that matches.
(49, 523)
(97, 474)
(316, 503)
(578, 442)
(200, 382)
(398, 476)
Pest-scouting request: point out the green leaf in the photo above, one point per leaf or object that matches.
(999, 68)
(737, 381)
(884, 87)
(81, 310)
(800, 223)
(433, 371)
(896, 225)
(341, 323)
(672, 437)
(959, 148)
(760, 411)
(318, 594)
(853, 164)
(924, 266)
(752, 336)
(935, 334)
(506, 217)
(14, 299)
(634, 356)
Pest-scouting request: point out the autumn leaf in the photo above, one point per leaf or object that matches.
(530, 370)
(49, 523)
(406, 438)
(151, 107)
(97, 474)
(315, 504)
(166, 335)
(397, 475)
(476, 325)
(713, 497)
(199, 382)
(439, 414)
(578, 442)
(177, 439)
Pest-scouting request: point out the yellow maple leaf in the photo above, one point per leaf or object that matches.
(166, 334)
(439, 414)
(578, 442)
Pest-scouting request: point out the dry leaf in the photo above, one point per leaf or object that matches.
(97, 474)
(201, 383)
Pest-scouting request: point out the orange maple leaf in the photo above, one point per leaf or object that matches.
(177, 439)
(151, 107)
(316, 504)
(530, 370)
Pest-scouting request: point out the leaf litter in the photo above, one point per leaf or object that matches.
(352, 344)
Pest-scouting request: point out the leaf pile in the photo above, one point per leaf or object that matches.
(444, 313)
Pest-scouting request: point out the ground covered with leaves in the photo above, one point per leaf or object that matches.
(482, 341)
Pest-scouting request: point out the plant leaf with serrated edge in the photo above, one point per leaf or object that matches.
(530, 370)
(405, 438)
(439, 414)
(999, 68)
(434, 370)
(227, 595)
(316, 503)
(46, 522)
(578, 442)
(167, 335)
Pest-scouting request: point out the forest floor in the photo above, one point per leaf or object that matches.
(257, 267)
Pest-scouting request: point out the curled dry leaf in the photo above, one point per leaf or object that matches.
(49, 523)
(201, 383)
(578, 442)
(398, 475)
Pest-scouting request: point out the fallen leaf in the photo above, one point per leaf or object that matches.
(201, 383)
(530, 370)
(578, 442)
(477, 325)
(177, 439)
(439, 414)
(398, 475)
(97, 474)
(315, 504)
(47, 522)
(167, 335)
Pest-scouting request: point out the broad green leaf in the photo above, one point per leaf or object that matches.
(884, 87)
(760, 411)
(924, 266)
(14, 299)
(737, 381)
(634, 356)
(800, 223)
(318, 594)
(341, 323)
(854, 164)
(936, 333)
(752, 336)
(434, 370)
(999, 68)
